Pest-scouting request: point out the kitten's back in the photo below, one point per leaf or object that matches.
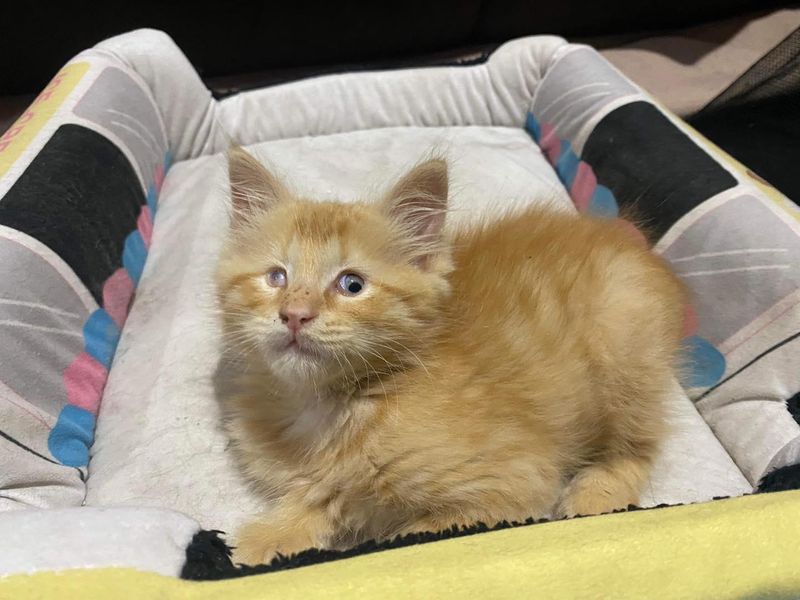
(578, 312)
(568, 279)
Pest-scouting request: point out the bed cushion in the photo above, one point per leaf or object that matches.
(174, 452)
(60, 539)
(98, 223)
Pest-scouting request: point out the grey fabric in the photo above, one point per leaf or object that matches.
(578, 89)
(132, 118)
(740, 259)
(41, 320)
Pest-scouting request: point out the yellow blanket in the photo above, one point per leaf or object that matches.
(738, 548)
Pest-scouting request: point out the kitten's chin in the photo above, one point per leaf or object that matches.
(292, 362)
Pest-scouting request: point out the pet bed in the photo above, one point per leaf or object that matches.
(113, 205)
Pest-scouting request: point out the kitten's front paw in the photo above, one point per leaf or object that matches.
(591, 495)
(586, 504)
(254, 544)
(246, 553)
(258, 543)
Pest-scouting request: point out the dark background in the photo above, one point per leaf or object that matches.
(242, 44)
(241, 36)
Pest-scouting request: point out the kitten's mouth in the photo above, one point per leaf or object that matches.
(300, 347)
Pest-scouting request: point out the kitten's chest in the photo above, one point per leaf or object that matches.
(318, 449)
(314, 425)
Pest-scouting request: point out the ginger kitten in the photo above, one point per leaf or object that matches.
(393, 380)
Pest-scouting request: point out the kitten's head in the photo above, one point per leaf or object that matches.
(326, 292)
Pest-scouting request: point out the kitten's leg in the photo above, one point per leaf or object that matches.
(286, 530)
(635, 423)
(633, 343)
(610, 484)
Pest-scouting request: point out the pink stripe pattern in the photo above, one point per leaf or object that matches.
(84, 380)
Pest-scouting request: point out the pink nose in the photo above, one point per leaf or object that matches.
(295, 316)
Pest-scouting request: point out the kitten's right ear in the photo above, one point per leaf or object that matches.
(419, 202)
(253, 188)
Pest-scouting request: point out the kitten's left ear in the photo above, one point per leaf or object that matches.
(419, 202)
(253, 187)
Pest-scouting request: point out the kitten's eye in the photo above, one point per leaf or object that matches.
(350, 284)
(276, 277)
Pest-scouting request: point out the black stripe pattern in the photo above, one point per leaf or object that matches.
(651, 166)
(80, 197)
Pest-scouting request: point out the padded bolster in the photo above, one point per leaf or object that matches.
(80, 173)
